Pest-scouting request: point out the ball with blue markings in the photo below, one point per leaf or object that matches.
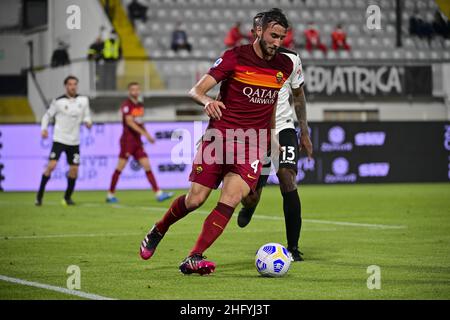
(272, 260)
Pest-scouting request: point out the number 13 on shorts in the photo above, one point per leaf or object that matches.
(288, 154)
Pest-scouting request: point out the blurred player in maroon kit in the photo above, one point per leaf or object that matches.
(131, 144)
(251, 77)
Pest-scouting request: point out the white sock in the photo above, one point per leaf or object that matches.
(110, 195)
(158, 193)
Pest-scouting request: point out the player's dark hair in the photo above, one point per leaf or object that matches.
(274, 15)
(134, 83)
(257, 19)
(68, 78)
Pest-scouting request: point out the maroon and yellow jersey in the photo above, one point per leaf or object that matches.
(249, 87)
(137, 111)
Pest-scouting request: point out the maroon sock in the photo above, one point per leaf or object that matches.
(114, 180)
(176, 212)
(152, 180)
(213, 227)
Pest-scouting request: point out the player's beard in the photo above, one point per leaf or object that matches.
(72, 93)
(265, 49)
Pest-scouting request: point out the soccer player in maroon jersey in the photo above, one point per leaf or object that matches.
(131, 144)
(291, 145)
(251, 77)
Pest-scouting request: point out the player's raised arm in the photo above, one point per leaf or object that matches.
(199, 94)
(300, 110)
(46, 119)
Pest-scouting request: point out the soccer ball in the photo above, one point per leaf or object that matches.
(272, 260)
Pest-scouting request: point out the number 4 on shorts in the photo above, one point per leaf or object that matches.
(254, 165)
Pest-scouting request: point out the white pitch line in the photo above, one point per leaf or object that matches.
(264, 217)
(81, 294)
(102, 235)
(354, 224)
(68, 235)
(257, 216)
(337, 223)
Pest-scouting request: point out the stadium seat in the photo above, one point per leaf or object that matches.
(222, 27)
(305, 55)
(310, 3)
(387, 42)
(374, 42)
(344, 54)
(352, 30)
(343, 16)
(360, 3)
(306, 15)
(398, 54)
(156, 54)
(332, 55)
(386, 4)
(293, 16)
(197, 53)
(215, 14)
(336, 4)
(196, 27)
(436, 44)
(361, 42)
(424, 54)
(188, 14)
(162, 14)
(421, 43)
(357, 54)
(408, 43)
(323, 3)
(317, 54)
(327, 30)
(390, 29)
(228, 15)
(435, 55)
(385, 55)
(447, 44)
(149, 42)
(319, 16)
(410, 55)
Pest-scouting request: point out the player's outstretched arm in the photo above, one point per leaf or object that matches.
(300, 111)
(198, 93)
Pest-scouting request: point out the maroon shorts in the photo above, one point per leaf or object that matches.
(132, 148)
(209, 170)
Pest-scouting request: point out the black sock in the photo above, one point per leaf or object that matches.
(70, 187)
(292, 217)
(41, 191)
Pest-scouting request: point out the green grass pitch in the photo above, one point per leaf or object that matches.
(402, 228)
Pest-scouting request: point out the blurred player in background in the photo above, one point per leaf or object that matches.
(69, 111)
(287, 137)
(131, 144)
(251, 77)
